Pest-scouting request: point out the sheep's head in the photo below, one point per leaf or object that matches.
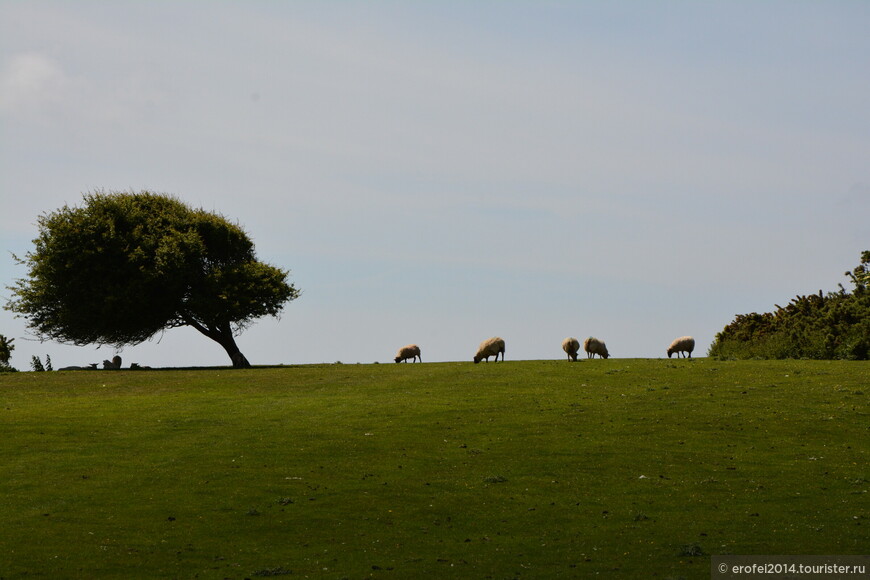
(670, 352)
(398, 359)
(477, 359)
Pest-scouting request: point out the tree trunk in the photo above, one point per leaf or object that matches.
(223, 335)
(229, 344)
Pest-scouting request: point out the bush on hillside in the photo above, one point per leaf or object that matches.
(818, 326)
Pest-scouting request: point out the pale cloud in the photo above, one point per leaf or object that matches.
(36, 88)
(30, 83)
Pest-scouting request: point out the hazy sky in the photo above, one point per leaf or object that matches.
(442, 172)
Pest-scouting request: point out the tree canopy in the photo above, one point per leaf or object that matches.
(835, 325)
(126, 266)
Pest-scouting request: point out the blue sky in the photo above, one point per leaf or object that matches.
(442, 172)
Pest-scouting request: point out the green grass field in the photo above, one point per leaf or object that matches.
(537, 469)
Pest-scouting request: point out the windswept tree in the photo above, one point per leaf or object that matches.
(126, 266)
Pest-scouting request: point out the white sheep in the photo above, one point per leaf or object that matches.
(490, 347)
(571, 346)
(410, 351)
(681, 345)
(593, 346)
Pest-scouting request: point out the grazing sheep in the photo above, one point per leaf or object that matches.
(593, 346)
(411, 351)
(681, 345)
(115, 363)
(488, 348)
(571, 346)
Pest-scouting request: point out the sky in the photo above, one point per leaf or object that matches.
(441, 172)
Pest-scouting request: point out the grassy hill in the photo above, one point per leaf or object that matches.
(535, 469)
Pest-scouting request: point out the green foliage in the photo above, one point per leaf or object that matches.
(126, 266)
(6, 348)
(36, 364)
(539, 469)
(819, 326)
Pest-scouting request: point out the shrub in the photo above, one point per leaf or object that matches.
(818, 326)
